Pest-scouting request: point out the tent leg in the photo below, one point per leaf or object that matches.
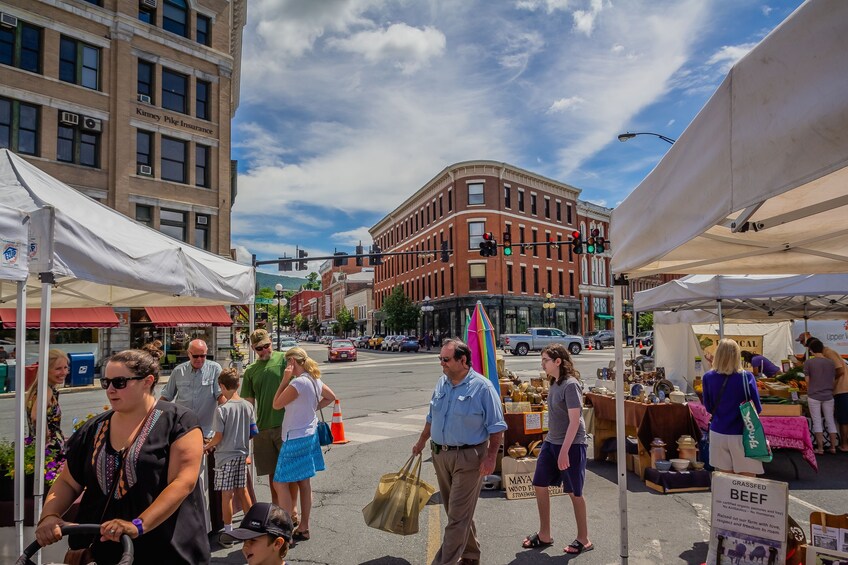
(720, 321)
(621, 456)
(43, 371)
(20, 409)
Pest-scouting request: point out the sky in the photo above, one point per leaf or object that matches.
(348, 107)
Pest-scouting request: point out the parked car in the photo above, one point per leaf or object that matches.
(287, 344)
(311, 337)
(375, 342)
(395, 344)
(647, 338)
(603, 338)
(341, 350)
(361, 341)
(538, 338)
(387, 342)
(409, 343)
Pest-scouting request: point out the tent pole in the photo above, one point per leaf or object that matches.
(621, 456)
(20, 409)
(43, 371)
(720, 320)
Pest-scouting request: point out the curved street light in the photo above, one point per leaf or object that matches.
(622, 137)
(549, 305)
(426, 308)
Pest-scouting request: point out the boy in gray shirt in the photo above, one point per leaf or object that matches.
(234, 426)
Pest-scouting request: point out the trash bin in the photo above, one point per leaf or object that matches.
(81, 369)
(10, 375)
(3, 371)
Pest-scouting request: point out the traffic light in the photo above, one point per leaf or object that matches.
(600, 245)
(284, 265)
(594, 234)
(340, 259)
(489, 246)
(301, 264)
(445, 254)
(576, 243)
(359, 252)
(552, 242)
(507, 244)
(376, 257)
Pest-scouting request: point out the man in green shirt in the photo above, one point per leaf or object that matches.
(261, 381)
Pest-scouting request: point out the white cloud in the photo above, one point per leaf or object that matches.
(353, 237)
(520, 49)
(766, 9)
(564, 104)
(727, 56)
(617, 48)
(584, 20)
(407, 47)
(549, 6)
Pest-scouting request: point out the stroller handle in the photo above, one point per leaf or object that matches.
(81, 529)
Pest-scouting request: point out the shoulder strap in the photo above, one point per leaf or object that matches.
(721, 390)
(317, 399)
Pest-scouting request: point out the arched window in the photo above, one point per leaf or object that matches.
(584, 270)
(594, 270)
(175, 17)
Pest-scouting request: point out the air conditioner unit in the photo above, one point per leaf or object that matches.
(202, 220)
(145, 170)
(69, 118)
(8, 20)
(149, 3)
(144, 98)
(92, 124)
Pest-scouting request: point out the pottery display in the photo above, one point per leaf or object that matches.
(687, 448)
(535, 448)
(657, 451)
(517, 451)
(680, 464)
(663, 465)
(677, 396)
(697, 465)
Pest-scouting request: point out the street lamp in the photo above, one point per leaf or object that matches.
(280, 301)
(622, 137)
(426, 307)
(549, 305)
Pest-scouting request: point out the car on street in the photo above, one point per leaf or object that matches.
(395, 344)
(599, 339)
(537, 338)
(375, 342)
(409, 343)
(287, 344)
(361, 341)
(341, 350)
(646, 338)
(387, 342)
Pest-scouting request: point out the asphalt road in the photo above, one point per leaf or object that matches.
(384, 399)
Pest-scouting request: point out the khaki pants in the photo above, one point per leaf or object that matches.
(458, 474)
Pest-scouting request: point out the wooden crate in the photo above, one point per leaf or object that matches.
(663, 490)
(781, 410)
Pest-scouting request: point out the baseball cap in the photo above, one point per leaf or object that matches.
(259, 337)
(803, 337)
(262, 518)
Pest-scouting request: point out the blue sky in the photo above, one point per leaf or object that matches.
(350, 106)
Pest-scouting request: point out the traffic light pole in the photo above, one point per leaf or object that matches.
(434, 253)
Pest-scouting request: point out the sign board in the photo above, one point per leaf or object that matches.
(833, 333)
(752, 343)
(521, 486)
(748, 518)
(532, 422)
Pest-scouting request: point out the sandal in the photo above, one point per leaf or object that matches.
(300, 536)
(819, 451)
(534, 541)
(578, 548)
(295, 522)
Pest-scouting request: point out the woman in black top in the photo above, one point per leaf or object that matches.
(137, 467)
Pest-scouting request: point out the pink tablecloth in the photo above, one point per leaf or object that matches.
(790, 432)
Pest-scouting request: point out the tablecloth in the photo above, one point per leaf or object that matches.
(790, 432)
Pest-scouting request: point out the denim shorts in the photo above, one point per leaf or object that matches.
(548, 473)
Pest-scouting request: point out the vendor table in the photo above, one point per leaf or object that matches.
(645, 421)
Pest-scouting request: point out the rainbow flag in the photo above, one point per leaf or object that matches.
(480, 336)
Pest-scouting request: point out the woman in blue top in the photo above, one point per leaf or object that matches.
(760, 365)
(725, 388)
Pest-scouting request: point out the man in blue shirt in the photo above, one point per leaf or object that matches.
(465, 425)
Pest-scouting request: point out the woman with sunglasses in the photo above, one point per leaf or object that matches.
(301, 393)
(136, 467)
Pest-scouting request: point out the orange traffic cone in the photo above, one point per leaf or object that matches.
(640, 344)
(590, 346)
(337, 427)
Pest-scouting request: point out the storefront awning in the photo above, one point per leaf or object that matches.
(188, 316)
(64, 318)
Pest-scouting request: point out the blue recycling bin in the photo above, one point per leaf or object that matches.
(10, 375)
(81, 369)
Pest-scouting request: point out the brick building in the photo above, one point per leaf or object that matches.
(459, 205)
(299, 302)
(595, 286)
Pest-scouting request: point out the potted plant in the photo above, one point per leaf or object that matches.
(53, 463)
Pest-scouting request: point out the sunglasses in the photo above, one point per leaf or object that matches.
(262, 347)
(201, 356)
(445, 359)
(118, 383)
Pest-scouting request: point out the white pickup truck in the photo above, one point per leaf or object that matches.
(538, 338)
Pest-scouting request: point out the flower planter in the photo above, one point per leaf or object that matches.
(7, 501)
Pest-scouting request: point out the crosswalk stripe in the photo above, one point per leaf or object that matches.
(415, 416)
(363, 438)
(390, 426)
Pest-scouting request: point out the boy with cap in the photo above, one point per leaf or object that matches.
(266, 531)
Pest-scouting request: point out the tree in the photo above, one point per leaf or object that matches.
(268, 293)
(646, 321)
(314, 324)
(312, 282)
(345, 320)
(300, 323)
(399, 312)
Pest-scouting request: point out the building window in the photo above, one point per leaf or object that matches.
(451, 279)
(559, 248)
(174, 91)
(535, 240)
(450, 201)
(79, 63)
(203, 27)
(174, 159)
(571, 283)
(145, 79)
(201, 166)
(201, 106)
(175, 17)
(509, 278)
(559, 280)
(523, 271)
(76, 146)
(533, 204)
(201, 231)
(521, 240)
(146, 14)
(547, 207)
(21, 47)
(443, 281)
(568, 214)
(441, 206)
(570, 254)
(535, 280)
(559, 212)
(19, 123)
(477, 276)
(144, 150)
(144, 215)
(173, 223)
(475, 234)
(507, 197)
(550, 286)
(520, 200)
(475, 193)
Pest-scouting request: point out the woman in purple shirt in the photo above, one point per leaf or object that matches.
(725, 388)
(760, 366)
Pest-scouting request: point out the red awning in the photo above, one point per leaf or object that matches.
(98, 317)
(188, 316)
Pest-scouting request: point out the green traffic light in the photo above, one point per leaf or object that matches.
(590, 249)
(507, 251)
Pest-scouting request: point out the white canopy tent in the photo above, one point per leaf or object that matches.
(756, 183)
(61, 243)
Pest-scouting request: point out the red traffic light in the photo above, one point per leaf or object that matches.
(488, 236)
(596, 232)
(575, 235)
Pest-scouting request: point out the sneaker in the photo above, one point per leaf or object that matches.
(224, 542)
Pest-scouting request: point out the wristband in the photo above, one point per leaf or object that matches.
(138, 524)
